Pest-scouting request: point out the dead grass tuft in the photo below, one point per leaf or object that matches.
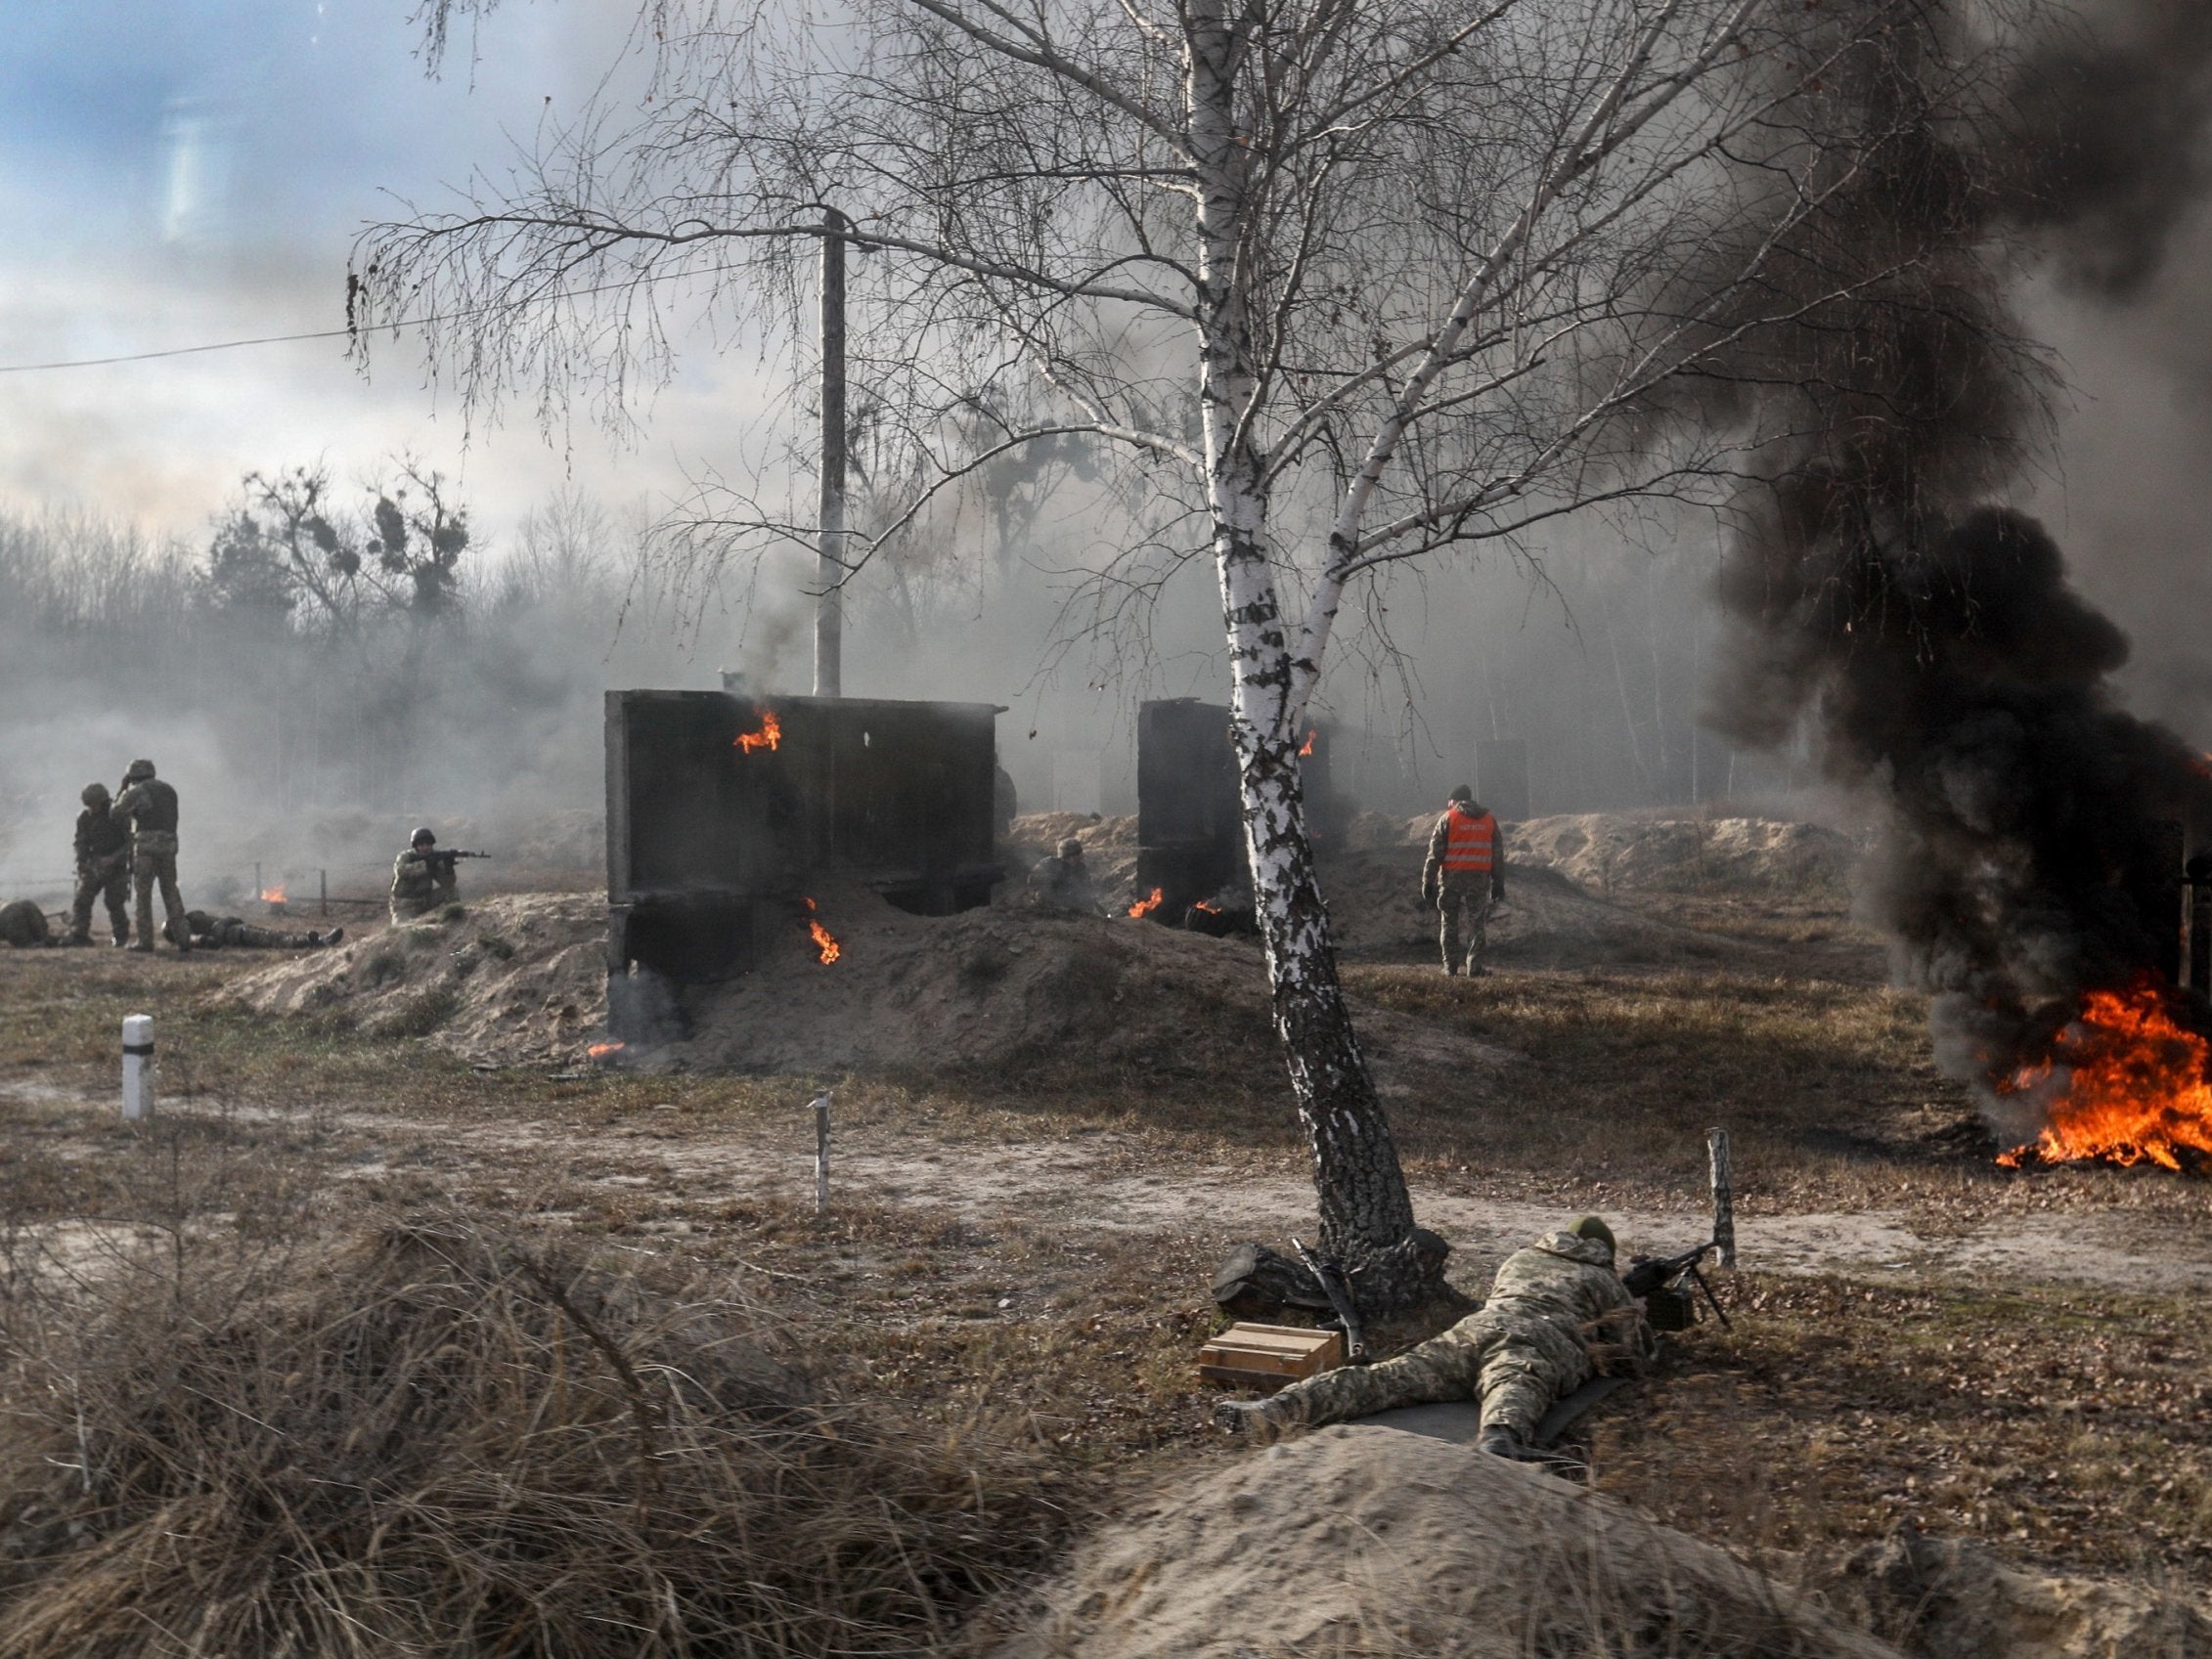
(439, 1441)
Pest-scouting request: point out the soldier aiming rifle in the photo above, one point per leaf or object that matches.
(423, 877)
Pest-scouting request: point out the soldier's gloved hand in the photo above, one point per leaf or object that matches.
(1497, 893)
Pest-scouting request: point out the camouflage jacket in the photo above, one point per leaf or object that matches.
(1569, 1280)
(148, 807)
(416, 879)
(101, 835)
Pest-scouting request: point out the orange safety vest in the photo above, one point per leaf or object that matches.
(1471, 844)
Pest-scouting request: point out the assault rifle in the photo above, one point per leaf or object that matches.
(1339, 1292)
(1659, 1278)
(440, 859)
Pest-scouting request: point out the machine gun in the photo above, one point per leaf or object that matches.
(1338, 1291)
(1658, 1281)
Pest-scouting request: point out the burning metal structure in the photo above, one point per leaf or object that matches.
(1189, 820)
(725, 812)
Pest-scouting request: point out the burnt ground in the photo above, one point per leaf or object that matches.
(1919, 1335)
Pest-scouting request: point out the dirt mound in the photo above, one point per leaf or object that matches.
(521, 976)
(1607, 852)
(1945, 1598)
(1007, 987)
(1046, 830)
(1375, 912)
(1375, 1542)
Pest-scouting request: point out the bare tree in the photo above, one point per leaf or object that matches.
(1351, 283)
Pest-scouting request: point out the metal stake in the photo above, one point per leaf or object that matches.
(1723, 1195)
(822, 1151)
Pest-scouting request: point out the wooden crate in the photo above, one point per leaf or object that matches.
(1265, 1357)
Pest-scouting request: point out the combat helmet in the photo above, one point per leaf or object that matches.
(1461, 796)
(1592, 1227)
(94, 795)
(423, 834)
(138, 772)
(1071, 848)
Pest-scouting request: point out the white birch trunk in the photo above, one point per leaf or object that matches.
(1366, 1214)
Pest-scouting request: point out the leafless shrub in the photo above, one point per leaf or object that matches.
(440, 1442)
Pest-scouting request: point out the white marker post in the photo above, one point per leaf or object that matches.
(138, 1066)
(822, 1151)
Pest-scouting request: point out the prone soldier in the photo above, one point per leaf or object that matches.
(22, 924)
(104, 868)
(218, 932)
(1558, 1312)
(148, 807)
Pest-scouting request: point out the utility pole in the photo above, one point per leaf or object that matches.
(829, 563)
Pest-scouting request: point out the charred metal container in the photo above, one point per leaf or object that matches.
(1189, 814)
(724, 811)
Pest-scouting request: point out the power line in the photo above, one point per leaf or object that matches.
(176, 350)
(344, 333)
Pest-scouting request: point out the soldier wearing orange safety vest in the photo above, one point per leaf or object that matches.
(1465, 876)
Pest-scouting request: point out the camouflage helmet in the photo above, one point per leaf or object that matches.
(1592, 1227)
(1071, 848)
(138, 772)
(199, 921)
(1463, 794)
(94, 795)
(423, 834)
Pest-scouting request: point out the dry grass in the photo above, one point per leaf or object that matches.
(2069, 1428)
(441, 1441)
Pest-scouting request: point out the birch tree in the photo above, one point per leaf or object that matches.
(1351, 284)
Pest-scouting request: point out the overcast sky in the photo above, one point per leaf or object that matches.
(177, 172)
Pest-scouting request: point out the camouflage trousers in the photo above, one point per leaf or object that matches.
(1465, 898)
(1516, 1364)
(151, 868)
(108, 880)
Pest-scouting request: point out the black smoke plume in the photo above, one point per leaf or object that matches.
(1883, 597)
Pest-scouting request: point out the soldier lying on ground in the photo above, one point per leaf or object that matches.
(22, 924)
(102, 849)
(1558, 1312)
(1063, 883)
(217, 933)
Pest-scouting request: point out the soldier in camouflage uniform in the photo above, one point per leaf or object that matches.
(216, 933)
(1063, 882)
(22, 924)
(1464, 876)
(150, 806)
(104, 868)
(420, 882)
(1555, 1310)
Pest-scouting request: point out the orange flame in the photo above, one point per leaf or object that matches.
(770, 735)
(2137, 1088)
(1151, 902)
(824, 940)
(599, 1051)
(1306, 748)
(1210, 909)
(273, 894)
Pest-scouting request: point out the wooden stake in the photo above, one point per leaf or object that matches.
(1723, 1195)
